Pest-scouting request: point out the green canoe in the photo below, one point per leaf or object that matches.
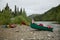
(35, 26)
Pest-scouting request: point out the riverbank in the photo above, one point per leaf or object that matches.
(26, 33)
(56, 23)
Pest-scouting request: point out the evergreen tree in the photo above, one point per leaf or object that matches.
(0, 11)
(5, 16)
(15, 12)
(7, 7)
(20, 13)
(24, 13)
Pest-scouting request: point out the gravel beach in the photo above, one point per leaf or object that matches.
(22, 32)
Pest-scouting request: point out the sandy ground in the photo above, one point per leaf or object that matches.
(26, 33)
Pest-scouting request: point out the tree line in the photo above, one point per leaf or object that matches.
(8, 16)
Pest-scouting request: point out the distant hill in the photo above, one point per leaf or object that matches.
(51, 15)
(33, 15)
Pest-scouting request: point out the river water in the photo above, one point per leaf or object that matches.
(46, 23)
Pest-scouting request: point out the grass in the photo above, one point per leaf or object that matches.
(20, 19)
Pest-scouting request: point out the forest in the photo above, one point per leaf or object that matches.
(7, 16)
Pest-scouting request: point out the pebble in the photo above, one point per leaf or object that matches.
(34, 33)
(22, 39)
(49, 38)
(31, 32)
(5, 39)
(49, 35)
(34, 38)
(17, 30)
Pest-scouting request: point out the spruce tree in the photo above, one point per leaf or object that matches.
(5, 15)
(20, 13)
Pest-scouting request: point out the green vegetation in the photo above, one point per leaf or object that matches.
(21, 18)
(5, 15)
(51, 15)
(8, 17)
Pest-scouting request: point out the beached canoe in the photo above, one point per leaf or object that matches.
(35, 26)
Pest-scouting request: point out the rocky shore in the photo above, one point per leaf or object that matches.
(22, 32)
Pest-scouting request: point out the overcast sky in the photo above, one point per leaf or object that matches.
(31, 6)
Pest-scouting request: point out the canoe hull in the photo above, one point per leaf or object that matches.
(35, 26)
